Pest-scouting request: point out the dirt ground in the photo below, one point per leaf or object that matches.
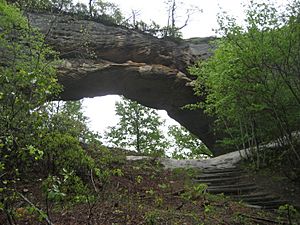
(144, 193)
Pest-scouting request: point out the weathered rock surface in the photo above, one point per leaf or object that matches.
(99, 60)
(223, 162)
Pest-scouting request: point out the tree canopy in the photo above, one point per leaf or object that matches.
(35, 135)
(138, 127)
(27, 80)
(252, 81)
(185, 145)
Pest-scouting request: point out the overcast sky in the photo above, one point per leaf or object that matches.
(200, 25)
(100, 110)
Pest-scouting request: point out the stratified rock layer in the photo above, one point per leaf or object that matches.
(98, 60)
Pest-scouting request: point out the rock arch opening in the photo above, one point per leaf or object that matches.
(107, 60)
(154, 89)
(101, 112)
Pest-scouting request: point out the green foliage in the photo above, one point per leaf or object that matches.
(117, 172)
(104, 157)
(186, 145)
(66, 133)
(139, 179)
(32, 5)
(52, 188)
(163, 186)
(208, 209)
(138, 127)
(99, 10)
(33, 211)
(106, 11)
(186, 174)
(51, 138)
(153, 28)
(32, 134)
(200, 188)
(27, 80)
(64, 151)
(195, 192)
(152, 217)
(241, 219)
(290, 213)
(109, 13)
(67, 117)
(159, 201)
(252, 81)
(103, 175)
(66, 187)
(81, 10)
(171, 30)
(150, 192)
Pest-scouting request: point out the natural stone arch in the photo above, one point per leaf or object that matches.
(100, 60)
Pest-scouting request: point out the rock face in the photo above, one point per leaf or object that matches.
(99, 60)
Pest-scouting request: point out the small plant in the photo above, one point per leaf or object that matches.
(66, 187)
(240, 219)
(215, 197)
(117, 172)
(163, 186)
(200, 189)
(289, 212)
(139, 179)
(208, 208)
(103, 175)
(52, 188)
(151, 218)
(159, 201)
(32, 210)
(150, 192)
(195, 192)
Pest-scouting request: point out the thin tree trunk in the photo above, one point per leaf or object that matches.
(137, 129)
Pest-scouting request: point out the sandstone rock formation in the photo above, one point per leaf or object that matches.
(99, 60)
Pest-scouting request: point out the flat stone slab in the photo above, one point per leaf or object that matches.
(226, 180)
(231, 190)
(207, 176)
(226, 161)
(233, 186)
(229, 170)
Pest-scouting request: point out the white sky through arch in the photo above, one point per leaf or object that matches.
(100, 110)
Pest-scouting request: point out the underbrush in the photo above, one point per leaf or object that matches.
(276, 159)
(115, 191)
